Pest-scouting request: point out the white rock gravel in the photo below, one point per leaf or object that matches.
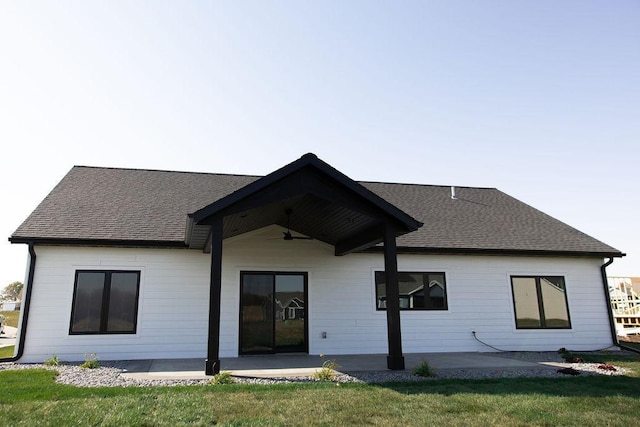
(109, 373)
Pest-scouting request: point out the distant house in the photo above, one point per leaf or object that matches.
(291, 310)
(625, 302)
(138, 264)
(10, 305)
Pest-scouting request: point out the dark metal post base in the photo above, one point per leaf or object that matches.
(395, 363)
(211, 367)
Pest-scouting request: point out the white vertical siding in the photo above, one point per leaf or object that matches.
(172, 313)
(174, 295)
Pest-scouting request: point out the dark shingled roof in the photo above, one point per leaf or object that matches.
(150, 206)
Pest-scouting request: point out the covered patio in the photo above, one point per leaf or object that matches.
(311, 198)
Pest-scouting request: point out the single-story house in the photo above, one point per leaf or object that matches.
(139, 264)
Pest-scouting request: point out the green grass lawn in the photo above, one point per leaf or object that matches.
(7, 351)
(635, 345)
(11, 317)
(33, 398)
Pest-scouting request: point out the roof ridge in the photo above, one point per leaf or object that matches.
(428, 185)
(166, 171)
(260, 176)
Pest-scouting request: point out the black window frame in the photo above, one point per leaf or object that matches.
(427, 273)
(106, 293)
(540, 302)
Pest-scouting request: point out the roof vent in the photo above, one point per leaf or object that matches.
(453, 193)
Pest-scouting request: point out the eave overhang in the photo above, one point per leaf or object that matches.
(498, 252)
(98, 242)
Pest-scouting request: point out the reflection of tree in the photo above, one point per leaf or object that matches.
(88, 308)
(257, 308)
(121, 309)
(12, 292)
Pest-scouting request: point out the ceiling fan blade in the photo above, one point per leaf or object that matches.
(287, 234)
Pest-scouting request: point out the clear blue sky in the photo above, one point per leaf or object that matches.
(540, 99)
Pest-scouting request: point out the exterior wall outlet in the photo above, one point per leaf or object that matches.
(324, 335)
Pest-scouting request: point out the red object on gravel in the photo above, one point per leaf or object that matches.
(607, 367)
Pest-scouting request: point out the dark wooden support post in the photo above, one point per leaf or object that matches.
(395, 359)
(212, 364)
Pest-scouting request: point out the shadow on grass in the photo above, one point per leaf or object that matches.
(39, 384)
(579, 386)
(591, 386)
(608, 358)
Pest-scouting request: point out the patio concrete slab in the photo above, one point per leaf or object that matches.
(274, 366)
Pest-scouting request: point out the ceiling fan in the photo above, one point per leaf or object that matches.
(287, 234)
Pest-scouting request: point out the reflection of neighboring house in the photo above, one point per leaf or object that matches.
(294, 309)
(290, 308)
(417, 290)
(624, 293)
(554, 299)
(415, 298)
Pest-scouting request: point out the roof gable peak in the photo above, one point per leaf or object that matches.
(325, 170)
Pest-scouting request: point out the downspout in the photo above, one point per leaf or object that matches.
(612, 322)
(25, 307)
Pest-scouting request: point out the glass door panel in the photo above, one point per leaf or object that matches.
(256, 311)
(290, 312)
(273, 312)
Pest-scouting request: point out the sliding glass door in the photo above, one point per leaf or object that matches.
(273, 312)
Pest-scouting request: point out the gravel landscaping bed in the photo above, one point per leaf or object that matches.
(109, 373)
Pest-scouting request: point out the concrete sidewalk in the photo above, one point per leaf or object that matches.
(9, 336)
(290, 365)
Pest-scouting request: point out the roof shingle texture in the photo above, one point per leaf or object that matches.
(146, 205)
